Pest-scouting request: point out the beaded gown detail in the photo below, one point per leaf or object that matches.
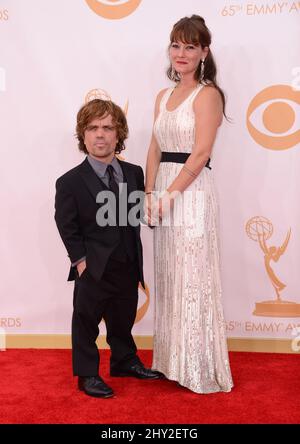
(189, 329)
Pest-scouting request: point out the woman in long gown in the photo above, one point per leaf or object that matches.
(189, 332)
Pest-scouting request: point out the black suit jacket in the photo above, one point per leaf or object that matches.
(75, 216)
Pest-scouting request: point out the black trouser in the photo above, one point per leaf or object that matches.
(113, 299)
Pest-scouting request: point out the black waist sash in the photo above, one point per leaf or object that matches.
(178, 157)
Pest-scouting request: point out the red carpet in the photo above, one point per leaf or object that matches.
(37, 387)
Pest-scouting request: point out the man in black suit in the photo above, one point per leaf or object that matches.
(105, 252)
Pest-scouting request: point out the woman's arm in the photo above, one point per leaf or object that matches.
(208, 117)
(154, 152)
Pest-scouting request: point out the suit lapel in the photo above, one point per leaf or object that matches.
(95, 184)
(92, 181)
(129, 177)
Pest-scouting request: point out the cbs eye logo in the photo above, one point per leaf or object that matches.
(113, 9)
(275, 113)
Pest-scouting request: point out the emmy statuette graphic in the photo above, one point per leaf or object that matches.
(260, 229)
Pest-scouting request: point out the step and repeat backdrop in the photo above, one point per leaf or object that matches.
(56, 55)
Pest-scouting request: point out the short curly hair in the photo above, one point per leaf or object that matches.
(98, 108)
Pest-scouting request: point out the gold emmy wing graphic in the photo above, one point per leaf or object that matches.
(96, 94)
(260, 229)
(142, 310)
(103, 95)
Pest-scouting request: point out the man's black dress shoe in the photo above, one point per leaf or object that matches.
(94, 386)
(138, 371)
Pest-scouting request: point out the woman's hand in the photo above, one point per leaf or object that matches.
(151, 209)
(157, 207)
(165, 204)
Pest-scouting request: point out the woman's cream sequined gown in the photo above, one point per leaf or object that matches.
(189, 334)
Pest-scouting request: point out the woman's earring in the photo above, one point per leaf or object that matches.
(202, 70)
(173, 74)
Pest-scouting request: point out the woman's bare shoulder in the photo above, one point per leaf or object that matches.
(160, 94)
(208, 94)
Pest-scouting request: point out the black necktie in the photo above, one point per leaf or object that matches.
(112, 184)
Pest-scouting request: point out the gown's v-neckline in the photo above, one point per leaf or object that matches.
(180, 104)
